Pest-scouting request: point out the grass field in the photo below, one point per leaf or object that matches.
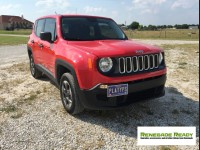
(18, 32)
(164, 34)
(12, 40)
(172, 34)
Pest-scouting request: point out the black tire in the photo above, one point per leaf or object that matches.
(69, 96)
(34, 71)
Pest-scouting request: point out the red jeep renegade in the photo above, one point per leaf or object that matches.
(93, 63)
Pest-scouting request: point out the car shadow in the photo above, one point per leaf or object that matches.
(174, 109)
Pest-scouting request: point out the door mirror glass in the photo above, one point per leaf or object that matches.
(46, 36)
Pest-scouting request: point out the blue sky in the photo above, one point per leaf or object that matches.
(156, 12)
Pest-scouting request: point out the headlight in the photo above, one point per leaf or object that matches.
(105, 64)
(161, 58)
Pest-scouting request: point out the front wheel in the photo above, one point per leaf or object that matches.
(34, 71)
(69, 95)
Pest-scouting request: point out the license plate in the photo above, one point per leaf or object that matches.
(117, 90)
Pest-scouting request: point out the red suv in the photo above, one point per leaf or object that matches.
(93, 63)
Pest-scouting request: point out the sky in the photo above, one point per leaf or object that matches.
(155, 12)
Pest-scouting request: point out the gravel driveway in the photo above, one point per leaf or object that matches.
(13, 54)
(32, 116)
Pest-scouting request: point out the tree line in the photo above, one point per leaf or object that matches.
(136, 25)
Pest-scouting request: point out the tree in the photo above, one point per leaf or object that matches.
(185, 26)
(169, 26)
(145, 28)
(140, 27)
(134, 25)
(152, 27)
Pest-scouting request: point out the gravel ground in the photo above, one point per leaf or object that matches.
(13, 54)
(32, 116)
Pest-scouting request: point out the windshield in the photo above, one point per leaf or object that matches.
(88, 28)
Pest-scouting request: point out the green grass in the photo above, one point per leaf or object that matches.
(28, 100)
(9, 108)
(164, 34)
(18, 115)
(11, 40)
(18, 32)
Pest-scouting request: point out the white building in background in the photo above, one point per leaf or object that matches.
(193, 27)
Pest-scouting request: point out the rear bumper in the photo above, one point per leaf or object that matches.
(138, 90)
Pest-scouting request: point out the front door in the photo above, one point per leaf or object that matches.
(48, 51)
(36, 41)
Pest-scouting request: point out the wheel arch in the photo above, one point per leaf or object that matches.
(29, 49)
(62, 67)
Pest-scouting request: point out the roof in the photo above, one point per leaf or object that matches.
(7, 19)
(71, 15)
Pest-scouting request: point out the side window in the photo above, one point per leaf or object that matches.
(50, 26)
(35, 27)
(39, 28)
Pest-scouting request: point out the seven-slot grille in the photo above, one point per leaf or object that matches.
(138, 63)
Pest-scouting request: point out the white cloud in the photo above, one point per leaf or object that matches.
(184, 3)
(147, 6)
(114, 14)
(53, 4)
(147, 2)
(90, 9)
(150, 11)
(8, 8)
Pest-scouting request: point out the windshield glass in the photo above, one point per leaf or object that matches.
(88, 28)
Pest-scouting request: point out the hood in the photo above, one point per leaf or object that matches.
(114, 48)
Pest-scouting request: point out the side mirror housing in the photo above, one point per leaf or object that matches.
(46, 36)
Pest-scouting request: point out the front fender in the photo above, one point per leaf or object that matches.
(80, 63)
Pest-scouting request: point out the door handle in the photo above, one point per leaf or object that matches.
(40, 45)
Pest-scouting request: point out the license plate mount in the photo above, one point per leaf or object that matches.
(117, 90)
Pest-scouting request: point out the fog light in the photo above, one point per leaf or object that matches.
(103, 86)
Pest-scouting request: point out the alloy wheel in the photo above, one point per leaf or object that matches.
(67, 94)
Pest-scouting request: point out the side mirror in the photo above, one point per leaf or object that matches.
(46, 36)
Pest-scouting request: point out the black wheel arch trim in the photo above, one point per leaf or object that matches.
(68, 66)
(29, 49)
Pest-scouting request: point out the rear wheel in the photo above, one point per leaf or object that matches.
(69, 95)
(34, 71)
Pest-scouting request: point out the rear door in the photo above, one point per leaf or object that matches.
(48, 53)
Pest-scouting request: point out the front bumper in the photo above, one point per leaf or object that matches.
(138, 90)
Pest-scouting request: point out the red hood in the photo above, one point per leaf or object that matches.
(110, 48)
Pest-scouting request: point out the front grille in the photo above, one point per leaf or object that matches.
(138, 63)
